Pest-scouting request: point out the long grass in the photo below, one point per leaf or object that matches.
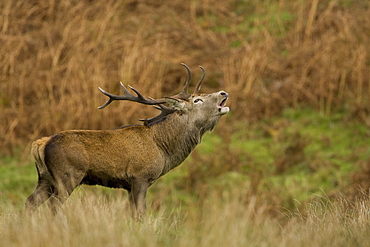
(268, 55)
(226, 221)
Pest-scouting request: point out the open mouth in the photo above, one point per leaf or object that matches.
(223, 103)
(221, 107)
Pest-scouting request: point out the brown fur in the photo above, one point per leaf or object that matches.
(132, 158)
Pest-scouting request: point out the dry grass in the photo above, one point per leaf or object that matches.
(229, 220)
(267, 55)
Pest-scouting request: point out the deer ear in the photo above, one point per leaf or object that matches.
(175, 103)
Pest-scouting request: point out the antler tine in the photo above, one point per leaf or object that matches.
(129, 96)
(165, 111)
(111, 98)
(199, 84)
(184, 92)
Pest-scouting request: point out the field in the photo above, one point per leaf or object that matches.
(288, 166)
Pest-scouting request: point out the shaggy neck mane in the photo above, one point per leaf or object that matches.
(176, 138)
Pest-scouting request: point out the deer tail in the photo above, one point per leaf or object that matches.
(38, 152)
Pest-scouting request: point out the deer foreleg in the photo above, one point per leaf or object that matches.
(137, 196)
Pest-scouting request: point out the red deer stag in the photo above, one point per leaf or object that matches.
(131, 157)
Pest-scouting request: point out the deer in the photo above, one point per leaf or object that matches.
(131, 157)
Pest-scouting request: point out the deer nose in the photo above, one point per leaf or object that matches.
(222, 93)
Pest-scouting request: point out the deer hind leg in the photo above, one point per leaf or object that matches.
(137, 196)
(42, 192)
(57, 199)
(63, 189)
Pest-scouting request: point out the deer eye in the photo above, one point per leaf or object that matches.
(196, 101)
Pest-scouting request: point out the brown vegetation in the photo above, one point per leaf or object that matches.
(270, 55)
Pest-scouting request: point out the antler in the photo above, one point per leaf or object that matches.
(129, 96)
(165, 111)
(184, 95)
(199, 84)
(184, 92)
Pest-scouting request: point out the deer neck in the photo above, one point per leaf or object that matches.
(176, 137)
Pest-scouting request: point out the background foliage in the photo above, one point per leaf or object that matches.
(268, 55)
